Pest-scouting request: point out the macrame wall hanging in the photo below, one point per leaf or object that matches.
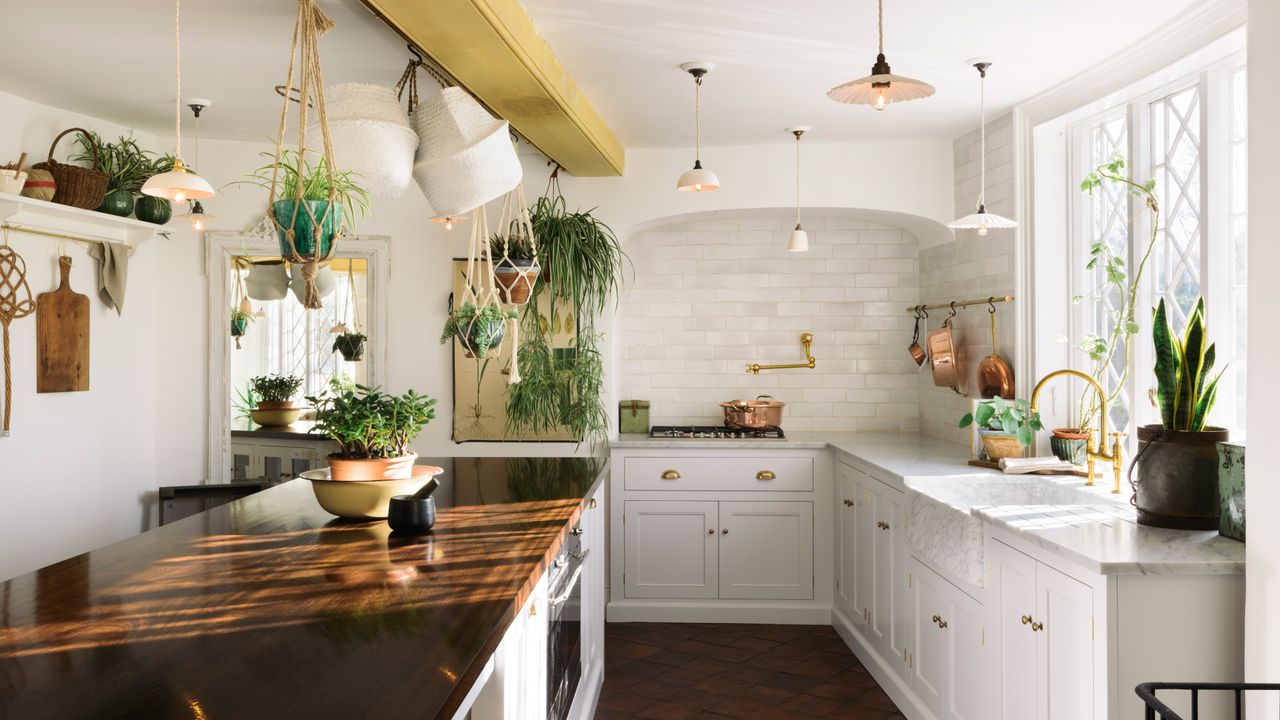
(308, 231)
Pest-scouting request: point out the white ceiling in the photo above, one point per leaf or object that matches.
(775, 60)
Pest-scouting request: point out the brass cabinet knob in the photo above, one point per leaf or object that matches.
(724, 531)
(942, 624)
(848, 502)
(591, 505)
(936, 619)
(533, 609)
(711, 531)
(1026, 619)
(1037, 626)
(882, 525)
(766, 475)
(671, 475)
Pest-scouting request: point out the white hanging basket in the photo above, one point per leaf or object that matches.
(371, 137)
(465, 155)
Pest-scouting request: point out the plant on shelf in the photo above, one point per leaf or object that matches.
(126, 165)
(1007, 428)
(1176, 464)
(581, 268)
(372, 428)
(240, 320)
(298, 175)
(477, 330)
(1116, 295)
(350, 344)
(513, 266)
(276, 391)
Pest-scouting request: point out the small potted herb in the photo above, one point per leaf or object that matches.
(477, 330)
(240, 320)
(350, 344)
(1006, 428)
(299, 176)
(513, 266)
(372, 428)
(275, 395)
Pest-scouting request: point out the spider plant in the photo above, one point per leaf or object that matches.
(299, 176)
(126, 165)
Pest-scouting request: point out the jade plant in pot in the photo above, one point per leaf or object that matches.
(478, 330)
(1176, 483)
(316, 222)
(350, 344)
(1006, 427)
(275, 395)
(514, 267)
(372, 428)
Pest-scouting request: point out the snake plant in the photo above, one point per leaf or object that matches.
(1184, 392)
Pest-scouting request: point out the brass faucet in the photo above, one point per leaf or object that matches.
(806, 339)
(1117, 448)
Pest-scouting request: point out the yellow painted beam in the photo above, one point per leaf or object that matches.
(492, 48)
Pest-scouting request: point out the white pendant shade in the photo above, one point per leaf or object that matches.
(982, 221)
(178, 185)
(198, 218)
(798, 241)
(698, 179)
(864, 91)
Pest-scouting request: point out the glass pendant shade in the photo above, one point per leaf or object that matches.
(698, 179)
(798, 241)
(881, 88)
(448, 220)
(178, 185)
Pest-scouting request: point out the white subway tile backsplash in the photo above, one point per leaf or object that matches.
(713, 295)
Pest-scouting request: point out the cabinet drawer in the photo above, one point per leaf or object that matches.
(789, 474)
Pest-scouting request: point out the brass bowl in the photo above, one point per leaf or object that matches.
(364, 499)
(275, 417)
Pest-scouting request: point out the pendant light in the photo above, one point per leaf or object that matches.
(881, 88)
(798, 241)
(982, 220)
(698, 179)
(448, 220)
(198, 218)
(178, 185)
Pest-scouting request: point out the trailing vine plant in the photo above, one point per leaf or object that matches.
(1103, 350)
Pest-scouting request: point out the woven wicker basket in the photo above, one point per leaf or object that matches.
(76, 186)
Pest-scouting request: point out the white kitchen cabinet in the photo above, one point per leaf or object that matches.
(890, 626)
(766, 550)
(847, 547)
(671, 549)
(1042, 630)
(593, 539)
(517, 689)
(864, 588)
(948, 664)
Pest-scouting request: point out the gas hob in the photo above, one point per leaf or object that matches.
(712, 432)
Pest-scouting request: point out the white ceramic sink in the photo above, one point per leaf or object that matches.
(942, 530)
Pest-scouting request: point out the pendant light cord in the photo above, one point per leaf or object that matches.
(881, 18)
(982, 147)
(797, 180)
(697, 118)
(177, 100)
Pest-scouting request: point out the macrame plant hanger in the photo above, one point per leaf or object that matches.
(242, 302)
(515, 221)
(477, 292)
(355, 303)
(15, 302)
(305, 52)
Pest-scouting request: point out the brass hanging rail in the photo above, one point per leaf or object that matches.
(961, 303)
(85, 239)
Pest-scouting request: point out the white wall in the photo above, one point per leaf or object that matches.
(711, 295)
(1262, 553)
(79, 470)
(970, 267)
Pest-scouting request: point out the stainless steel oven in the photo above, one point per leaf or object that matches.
(564, 639)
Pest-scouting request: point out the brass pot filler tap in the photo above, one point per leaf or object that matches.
(1117, 447)
(806, 339)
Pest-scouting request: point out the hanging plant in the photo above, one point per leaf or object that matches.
(306, 175)
(239, 324)
(517, 270)
(350, 345)
(478, 330)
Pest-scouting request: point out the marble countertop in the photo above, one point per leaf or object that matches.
(1108, 540)
(1086, 524)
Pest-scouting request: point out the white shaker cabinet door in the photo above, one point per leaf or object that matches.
(1065, 646)
(766, 550)
(1012, 595)
(864, 596)
(930, 671)
(847, 550)
(969, 684)
(670, 549)
(889, 625)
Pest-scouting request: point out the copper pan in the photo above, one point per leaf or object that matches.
(917, 353)
(763, 412)
(995, 375)
(942, 355)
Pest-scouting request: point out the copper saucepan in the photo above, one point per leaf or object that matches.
(942, 355)
(995, 375)
(763, 412)
(917, 353)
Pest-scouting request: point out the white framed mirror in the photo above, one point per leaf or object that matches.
(285, 338)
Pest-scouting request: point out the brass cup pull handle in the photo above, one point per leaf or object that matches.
(1037, 626)
(1026, 619)
(671, 475)
(766, 475)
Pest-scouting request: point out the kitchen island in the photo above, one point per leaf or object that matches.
(270, 607)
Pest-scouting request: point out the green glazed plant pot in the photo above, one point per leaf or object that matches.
(118, 202)
(1068, 446)
(471, 339)
(303, 229)
(239, 326)
(155, 210)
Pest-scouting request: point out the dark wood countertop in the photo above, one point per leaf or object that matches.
(269, 607)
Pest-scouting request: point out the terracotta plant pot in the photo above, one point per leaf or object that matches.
(276, 405)
(1070, 445)
(396, 468)
(515, 281)
(1001, 445)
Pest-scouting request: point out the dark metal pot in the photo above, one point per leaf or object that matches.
(1177, 477)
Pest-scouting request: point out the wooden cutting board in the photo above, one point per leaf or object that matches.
(62, 337)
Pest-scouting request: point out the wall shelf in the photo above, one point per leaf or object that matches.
(23, 214)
